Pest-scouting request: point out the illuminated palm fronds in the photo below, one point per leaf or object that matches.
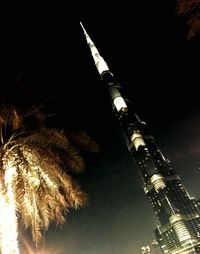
(38, 160)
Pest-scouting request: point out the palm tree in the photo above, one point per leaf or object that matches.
(190, 9)
(36, 187)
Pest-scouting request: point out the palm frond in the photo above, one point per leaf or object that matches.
(16, 120)
(85, 141)
(185, 6)
(194, 25)
(191, 10)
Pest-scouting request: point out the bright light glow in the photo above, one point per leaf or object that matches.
(119, 103)
(180, 228)
(8, 218)
(137, 140)
(158, 182)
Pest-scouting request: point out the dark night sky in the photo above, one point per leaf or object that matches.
(146, 49)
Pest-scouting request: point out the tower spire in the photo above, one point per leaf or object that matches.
(98, 60)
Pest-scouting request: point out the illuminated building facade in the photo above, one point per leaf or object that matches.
(178, 213)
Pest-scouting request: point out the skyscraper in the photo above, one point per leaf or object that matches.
(179, 229)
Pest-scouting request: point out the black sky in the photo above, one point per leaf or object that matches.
(146, 48)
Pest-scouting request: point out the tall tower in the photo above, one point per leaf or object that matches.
(178, 213)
